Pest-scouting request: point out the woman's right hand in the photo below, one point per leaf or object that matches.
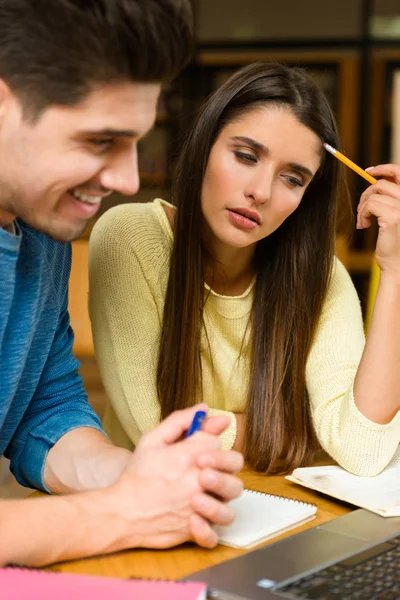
(382, 200)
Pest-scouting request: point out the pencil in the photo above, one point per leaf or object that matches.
(350, 163)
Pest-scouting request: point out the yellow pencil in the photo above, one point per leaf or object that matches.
(350, 163)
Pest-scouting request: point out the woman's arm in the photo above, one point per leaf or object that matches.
(377, 384)
(126, 316)
(358, 443)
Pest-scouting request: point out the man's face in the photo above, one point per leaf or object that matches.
(54, 172)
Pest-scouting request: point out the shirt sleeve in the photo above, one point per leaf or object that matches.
(58, 406)
(358, 444)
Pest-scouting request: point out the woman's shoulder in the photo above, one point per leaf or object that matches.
(341, 295)
(139, 227)
(133, 237)
(340, 281)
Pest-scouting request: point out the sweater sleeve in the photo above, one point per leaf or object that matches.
(128, 271)
(125, 321)
(359, 445)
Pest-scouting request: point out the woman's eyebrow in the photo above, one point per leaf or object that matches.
(301, 169)
(250, 142)
(258, 147)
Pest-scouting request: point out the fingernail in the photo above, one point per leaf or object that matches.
(369, 168)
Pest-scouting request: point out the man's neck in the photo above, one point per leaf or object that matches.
(10, 227)
(7, 220)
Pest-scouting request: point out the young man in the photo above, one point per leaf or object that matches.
(79, 83)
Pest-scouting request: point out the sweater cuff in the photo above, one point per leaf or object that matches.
(367, 423)
(358, 444)
(228, 437)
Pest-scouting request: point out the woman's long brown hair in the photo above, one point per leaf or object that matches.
(293, 267)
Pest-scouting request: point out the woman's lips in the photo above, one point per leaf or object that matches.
(241, 220)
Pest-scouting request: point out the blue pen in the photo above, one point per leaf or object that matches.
(197, 422)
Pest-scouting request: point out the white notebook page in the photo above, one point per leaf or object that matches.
(380, 494)
(261, 516)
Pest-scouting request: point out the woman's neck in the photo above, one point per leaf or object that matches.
(232, 270)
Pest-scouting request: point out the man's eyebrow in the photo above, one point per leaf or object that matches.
(257, 146)
(121, 133)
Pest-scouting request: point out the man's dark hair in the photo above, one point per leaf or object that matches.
(57, 51)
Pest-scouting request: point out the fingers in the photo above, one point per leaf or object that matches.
(173, 427)
(202, 443)
(228, 462)
(216, 425)
(380, 200)
(384, 208)
(202, 532)
(212, 509)
(220, 484)
(389, 170)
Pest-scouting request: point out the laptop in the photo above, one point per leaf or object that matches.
(356, 556)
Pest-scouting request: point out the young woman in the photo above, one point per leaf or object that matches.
(233, 295)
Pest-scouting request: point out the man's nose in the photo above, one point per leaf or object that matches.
(121, 174)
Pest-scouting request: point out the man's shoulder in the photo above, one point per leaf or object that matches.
(43, 244)
(49, 258)
(31, 235)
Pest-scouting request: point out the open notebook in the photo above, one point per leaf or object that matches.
(20, 584)
(379, 494)
(262, 516)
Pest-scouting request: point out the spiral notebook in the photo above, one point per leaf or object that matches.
(260, 517)
(19, 584)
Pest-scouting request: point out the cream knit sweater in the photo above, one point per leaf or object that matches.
(129, 257)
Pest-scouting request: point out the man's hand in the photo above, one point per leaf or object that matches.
(84, 459)
(174, 489)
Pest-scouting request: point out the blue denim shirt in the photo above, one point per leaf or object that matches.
(41, 394)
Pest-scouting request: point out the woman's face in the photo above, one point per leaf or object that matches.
(257, 172)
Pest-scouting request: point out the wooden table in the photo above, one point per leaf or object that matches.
(183, 560)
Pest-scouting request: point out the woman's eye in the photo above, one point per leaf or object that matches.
(244, 157)
(294, 181)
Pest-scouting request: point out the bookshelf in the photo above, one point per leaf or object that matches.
(352, 59)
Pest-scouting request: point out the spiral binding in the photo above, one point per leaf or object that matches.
(285, 498)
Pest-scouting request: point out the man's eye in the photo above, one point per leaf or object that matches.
(101, 143)
(244, 157)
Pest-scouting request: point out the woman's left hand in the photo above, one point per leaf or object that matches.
(382, 200)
